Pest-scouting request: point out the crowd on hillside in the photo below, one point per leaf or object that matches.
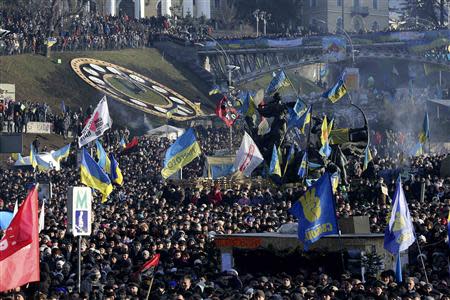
(147, 215)
(79, 33)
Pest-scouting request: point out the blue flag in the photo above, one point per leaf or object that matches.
(399, 233)
(299, 121)
(303, 166)
(278, 81)
(63, 106)
(315, 212)
(398, 269)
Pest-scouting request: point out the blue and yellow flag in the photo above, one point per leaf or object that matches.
(20, 159)
(103, 159)
(325, 150)
(61, 153)
(278, 81)
(424, 134)
(367, 158)
(42, 165)
(299, 121)
(215, 90)
(399, 233)
(275, 168)
(115, 173)
(300, 107)
(33, 157)
(289, 158)
(248, 107)
(122, 143)
(93, 176)
(315, 212)
(337, 91)
(417, 150)
(182, 152)
(303, 166)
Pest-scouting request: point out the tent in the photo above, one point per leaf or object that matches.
(170, 132)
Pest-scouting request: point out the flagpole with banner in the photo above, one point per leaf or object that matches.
(308, 140)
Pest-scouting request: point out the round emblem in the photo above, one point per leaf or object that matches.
(135, 90)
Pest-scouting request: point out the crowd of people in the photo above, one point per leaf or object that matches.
(79, 33)
(148, 215)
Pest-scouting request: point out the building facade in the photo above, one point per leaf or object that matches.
(356, 15)
(151, 8)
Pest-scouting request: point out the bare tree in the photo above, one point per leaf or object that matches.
(227, 14)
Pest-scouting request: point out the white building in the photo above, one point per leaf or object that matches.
(149, 8)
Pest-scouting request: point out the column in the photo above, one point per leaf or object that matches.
(204, 8)
(165, 7)
(188, 8)
(110, 7)
(137, 6)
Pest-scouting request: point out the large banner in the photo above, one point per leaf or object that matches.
(97, 124)
(39, 127)
(334, 48)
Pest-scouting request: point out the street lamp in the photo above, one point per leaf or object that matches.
(230, 67)
(263, 16)
(256, 15)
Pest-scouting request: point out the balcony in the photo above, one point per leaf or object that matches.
(360, 10)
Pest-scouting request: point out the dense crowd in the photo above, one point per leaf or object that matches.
(147, 215)
(79, 33)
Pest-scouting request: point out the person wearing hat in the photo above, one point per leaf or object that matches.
(259, 295)
(286, 285)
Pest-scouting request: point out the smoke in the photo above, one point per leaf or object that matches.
(136, 121)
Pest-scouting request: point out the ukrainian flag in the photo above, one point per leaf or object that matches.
(93, 176)
(182, 152)
(215, 90)
(336, 92)
(367, 158)
(417, 150)
(303, 166)
(103, 159)
(115, 172)
(61, 153)
(20, 159)
(122, 143)
(278, 81)
(248, 106)
(275, 168)
(424, 134)
(290, 158)
(42, 165)
(33, 157)
(299, 121)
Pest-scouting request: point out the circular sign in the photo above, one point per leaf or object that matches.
(134, 89)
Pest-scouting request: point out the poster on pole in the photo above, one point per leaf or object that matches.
(79, 210)
(334, 49)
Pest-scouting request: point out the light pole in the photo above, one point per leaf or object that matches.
(256, 15)
(265, 17)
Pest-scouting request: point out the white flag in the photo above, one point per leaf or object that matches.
(97, 124)
(16, 208)
(248, 157)
(42, 218)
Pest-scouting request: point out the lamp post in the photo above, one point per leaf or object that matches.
(265, 17)
(256, 15)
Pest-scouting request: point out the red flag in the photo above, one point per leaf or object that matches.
(134, 142)
(150, 265)
(226, 112)
(19, 248)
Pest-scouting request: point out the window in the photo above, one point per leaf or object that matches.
(312, 3)
(339, 24)
(217, 3)
(375, 4)
(356, 3)
(339, 3)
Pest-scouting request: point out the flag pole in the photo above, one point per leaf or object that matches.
(308, 140)
(149, 288)
(79, 264)
(421, 258)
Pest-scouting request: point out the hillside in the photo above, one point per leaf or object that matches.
(40, 79)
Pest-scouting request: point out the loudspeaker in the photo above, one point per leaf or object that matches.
(354, 225)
